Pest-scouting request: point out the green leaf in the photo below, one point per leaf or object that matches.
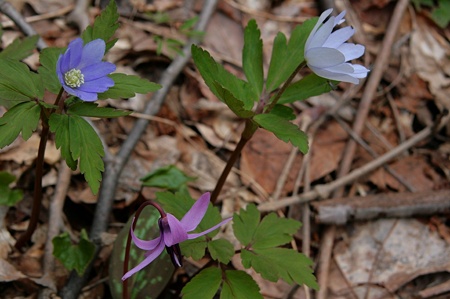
(284, 130)
(287, 56)
(104, 27)
(274, 231)
(20, 49)
(221, 250)
(169, 177)
(204, 285)
(23, 117)
(47, 70)
(234, 104)
(283, 112)
(212, 72)
(92, 110)
(284, 263)
(126, 86)
(194, 248)
(18, 83)
(8, 197)
(252, 57)
(78, 140)
(441, 14)
(71, 256)
(245, 224)
(238, 284)
(309, 86)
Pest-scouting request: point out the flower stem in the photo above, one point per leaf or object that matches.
(249, 130)
(39, 172)
(37, 195)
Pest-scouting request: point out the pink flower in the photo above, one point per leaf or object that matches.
(173, 232)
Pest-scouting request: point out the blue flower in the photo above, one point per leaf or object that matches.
(82, 72)
(327, 53)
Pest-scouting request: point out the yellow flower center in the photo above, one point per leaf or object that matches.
(74, 78)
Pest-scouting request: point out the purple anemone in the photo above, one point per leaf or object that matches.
(327, 53)
(173, 232)
(82, 72)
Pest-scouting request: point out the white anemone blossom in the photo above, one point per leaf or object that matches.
(327, 53)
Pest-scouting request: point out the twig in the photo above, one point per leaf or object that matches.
(406, 204)
(323, 191)
(16, 17)
(114, 169)
(44, 16)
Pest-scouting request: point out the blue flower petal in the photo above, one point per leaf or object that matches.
(351, 51)
(334, 76)
(73, 54)
(98, 85)
(322, 18)
(322, 34)
(97, 70)
(92, 53)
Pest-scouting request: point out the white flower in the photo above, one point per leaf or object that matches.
(327, 53)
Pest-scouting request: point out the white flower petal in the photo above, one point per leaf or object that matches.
(334, 76)
(340, 18)
(324, 57)
(351, 51)
(339, 37)
(360, 71)
(322, 18)
(322, 34)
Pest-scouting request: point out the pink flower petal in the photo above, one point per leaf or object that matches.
(176, 233)
(195, 215)
(193, 236)
(150, 258)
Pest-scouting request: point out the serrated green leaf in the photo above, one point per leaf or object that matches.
(23, 117)
(104, 27)
(238, 285)
(233, 103)
(284, 263)
(287, 56)
(78, 140)
(59, 124)
(204, 285)
(252, 57)
(169, 177)
(284, 130)
(245, 224)
(274, 231)
(92, 110)
(283, 112)
(212, 71)
(20, 49)
(126, 86)
(194, 248)
(47, 69)
(309, 86)
(18, 83)
(8, 196)
(71, 256)
(221, 250)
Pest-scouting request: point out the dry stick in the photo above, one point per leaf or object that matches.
(323, 191)
(114, 169)
(44, 16)
(16, 17)
(361, 116)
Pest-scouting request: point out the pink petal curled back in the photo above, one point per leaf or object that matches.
(150, 258)
(143, 244)
(196, 213)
